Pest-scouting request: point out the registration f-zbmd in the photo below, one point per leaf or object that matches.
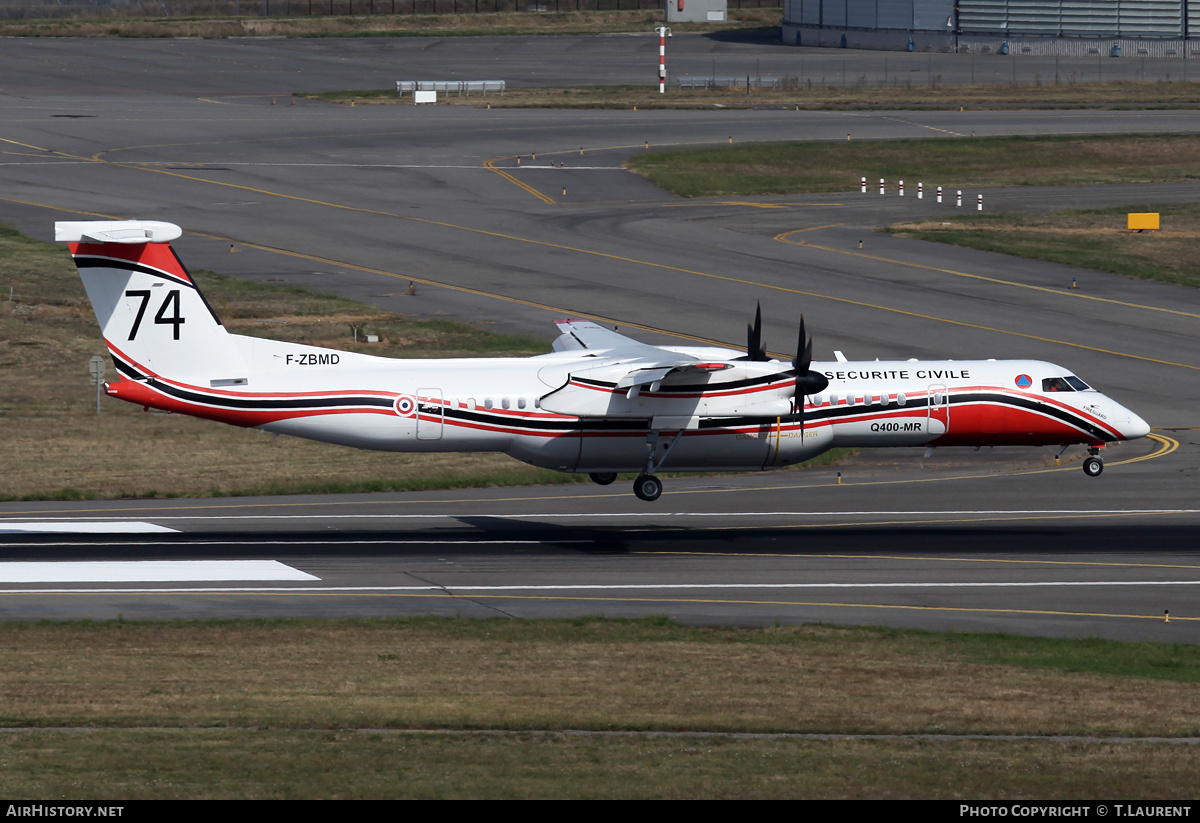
(600, 403)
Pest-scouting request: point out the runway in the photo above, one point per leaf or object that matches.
(363, 200)
(787, 547)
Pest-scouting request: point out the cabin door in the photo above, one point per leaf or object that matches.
(430, 412)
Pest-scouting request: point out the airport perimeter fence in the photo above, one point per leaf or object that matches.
(44, 9)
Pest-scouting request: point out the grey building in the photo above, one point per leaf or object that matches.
(1162, 28)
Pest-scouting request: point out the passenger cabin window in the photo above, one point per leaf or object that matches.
(520, 402)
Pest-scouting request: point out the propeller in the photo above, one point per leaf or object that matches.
(754, 346)
(807, 381)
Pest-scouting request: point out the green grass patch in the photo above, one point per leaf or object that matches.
(1087, 238)
(504, 23)
(128, 764)
(792, 168)
(433, 707)
(798, 94)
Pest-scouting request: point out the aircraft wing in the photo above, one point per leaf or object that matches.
(584, 334)
(610, 388)
(640, 363)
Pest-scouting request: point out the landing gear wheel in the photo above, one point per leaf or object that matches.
(647, 487)
(603, 478)
(1093, 466)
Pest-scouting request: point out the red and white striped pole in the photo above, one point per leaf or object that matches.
(920, 191)
(901, 188)
(980, 206)
(663, 32)
(939, 194)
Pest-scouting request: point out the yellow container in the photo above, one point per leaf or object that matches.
(1141, 222)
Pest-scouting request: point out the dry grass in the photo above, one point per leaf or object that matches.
(427, 675)
(272, 709)
(130, 454)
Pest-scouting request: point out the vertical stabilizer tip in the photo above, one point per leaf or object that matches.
(116, 231)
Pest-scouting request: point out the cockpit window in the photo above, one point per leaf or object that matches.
(1076, 383)
(1050, 384)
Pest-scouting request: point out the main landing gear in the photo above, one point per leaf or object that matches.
(1093, 465)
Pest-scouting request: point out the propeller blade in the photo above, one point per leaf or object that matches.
(754, 347)
(807, 381)
(803, 351)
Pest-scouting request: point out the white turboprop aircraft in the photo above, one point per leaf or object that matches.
(601, 403)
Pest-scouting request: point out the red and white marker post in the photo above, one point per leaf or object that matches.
(663, 34)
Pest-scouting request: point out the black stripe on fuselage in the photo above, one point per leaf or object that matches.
(269, 403)
(1069, 416)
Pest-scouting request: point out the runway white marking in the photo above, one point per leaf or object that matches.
(83, 525)
(147, 571)
(453, 590)
(340, 542)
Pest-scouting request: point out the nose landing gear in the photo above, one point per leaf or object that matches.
(1093, 465)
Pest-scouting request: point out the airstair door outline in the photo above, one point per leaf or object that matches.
(430, 413)
(939, 409)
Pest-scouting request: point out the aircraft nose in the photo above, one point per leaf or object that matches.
(1136, 427)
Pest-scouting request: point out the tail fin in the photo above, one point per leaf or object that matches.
(155, 321)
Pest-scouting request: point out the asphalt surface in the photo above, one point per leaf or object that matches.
(364, 200)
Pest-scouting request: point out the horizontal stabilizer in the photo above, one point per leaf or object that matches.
(116, 231)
